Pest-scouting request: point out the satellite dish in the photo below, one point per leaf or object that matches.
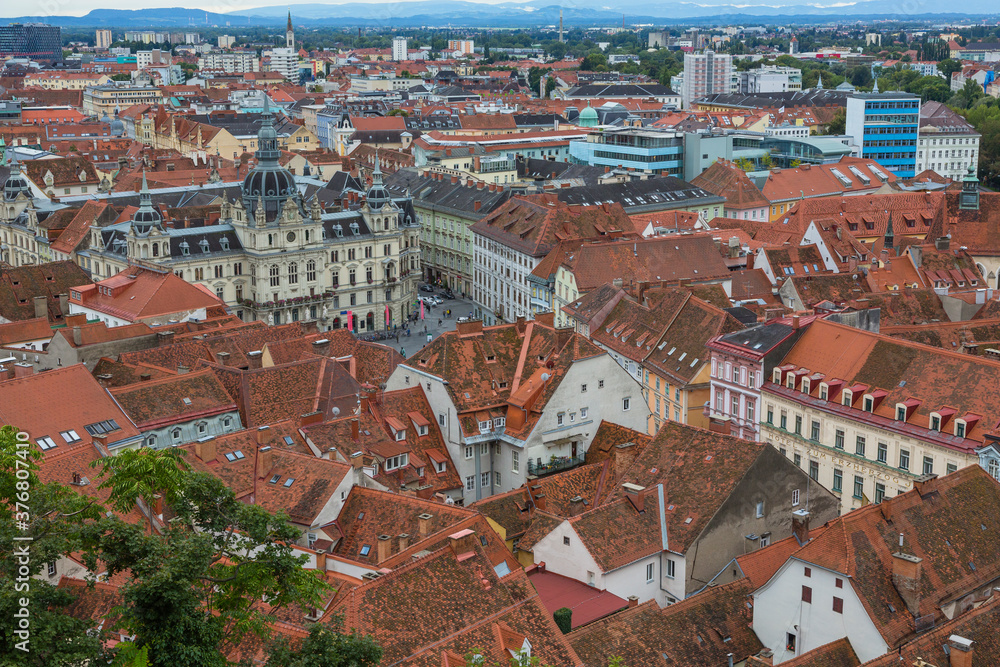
(336, 412)
(545, 377)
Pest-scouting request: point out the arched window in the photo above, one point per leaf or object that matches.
(293, 273)
(275, 277)
(156, 250)
(151, 441)
(176, 434)
(202, 428)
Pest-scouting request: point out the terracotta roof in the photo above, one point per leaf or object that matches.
(701, 631)
(37, 329)
(75, 233)
(368, 513)
(66, 172)
(95, 333)
(980, 624)
(313, 480)
(861, 545)
(819, 180)
(666, 258)
(725, 179)
(137, 293)
(617, 533)
(586, 602)
(904, 370)
(618, 443)
(26, 403)
(19, 286)
(837, 653)
(474, 606)
(174, 399)
(533, 224)
(62, 464)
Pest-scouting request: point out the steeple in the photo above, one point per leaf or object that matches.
(146, 217)
(269, 184)
(968, 199)
(377, 195)
(819, 83)
(875, 88)
(289, 32)
(16, 183)
(890, 235)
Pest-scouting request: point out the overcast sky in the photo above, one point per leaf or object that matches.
(80, 7)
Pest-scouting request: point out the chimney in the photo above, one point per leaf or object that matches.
(265, 460)
(463, 541)
(357, 460)
(384, 548)
(41, 306)
(454, 180)
(795, 322)
(424, 524)
(104, 379)
(254, 359)
(476, 205)
(222, 358)
(143, 377)
(63, 304)
(943, 243)
(182, 369)
(476, 163)
(321, 347)
(576, 506)
(355, 429)
(960, 653)
(766, 656)
(906, 578)
(205, 449)
(800, 526)
(75, 320)
(540, 501)
(164, 338)
(77, 336)
(922, 484)
(633, 601)
(23, 370)
(617, 282)
(404, 541)
(634, 494)
(264, 435)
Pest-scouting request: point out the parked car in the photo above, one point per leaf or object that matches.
(448, 294)
(426, 288)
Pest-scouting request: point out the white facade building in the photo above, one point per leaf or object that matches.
(705, 74)
(399, 50)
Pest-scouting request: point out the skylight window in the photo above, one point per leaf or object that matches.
(274, 480)
(70, 436)
(45, 442)
(365, 550)
(288, 440)
(288, 482)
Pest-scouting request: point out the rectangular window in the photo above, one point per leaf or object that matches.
(735, 407)
(470, 483)
(838, 480)
(797, 459)
(795, 497)
(750, 411)
(950, 468)
(859, 447)
(626, 404)
(770, 414)
(814, 470)
(760, 509)
(784, 421)
(583, 389)
(51, 567)
(879, 492)
(649, 573)
(838, 605)
(859, 486)
(515, 461)
(583, 413)
(814, 431)
(798, 424)
(807, 594)
(671, 569)
(484, 481)
(468, 452)
(904, 459)
(838, 439)
(928, 465)
(883, 452)
(496, 479)
(559, 419)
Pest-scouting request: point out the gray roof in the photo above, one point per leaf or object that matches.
(620, 90)
(653, 194)
(802, 98)
(445, 195)
(759, 339)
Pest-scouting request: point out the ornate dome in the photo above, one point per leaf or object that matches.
(269, 182)
(16, 183)
(377, 196)
(117, 126)
(147, 217)
(588, 117)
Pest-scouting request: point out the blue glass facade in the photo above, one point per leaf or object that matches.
(638, 151)
(885, 127)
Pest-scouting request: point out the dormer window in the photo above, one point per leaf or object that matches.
(869, 403)
(224, 242)
(824, 390)
(484, 426)
(960, 428)
(848, 398)
(790, 381)
(806, 385)
(900, 412)
(401, 434)
(776, 376)
(498, 422)
(185, 248)
(395, 462)
(203, 244)
(935, 422)
(421, 430)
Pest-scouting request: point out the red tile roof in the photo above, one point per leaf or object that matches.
(19, 286)
(701, 631)
(587, 603)
(725, 179)
(174, 399)
(37, 329)
(27, 403)
(138, 293)
(819, 180)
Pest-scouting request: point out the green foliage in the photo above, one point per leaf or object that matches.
(54, 516)
(985, 117)
(838, 125)
(326, 647)
(399, 112)
(195, 593)
(142, 474)
(592, 61)
(564, 619)
(948, 66)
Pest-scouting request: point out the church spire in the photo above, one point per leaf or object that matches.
(875, 89)
(289, 32)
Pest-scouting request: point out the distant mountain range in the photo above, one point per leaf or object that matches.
(456, 13)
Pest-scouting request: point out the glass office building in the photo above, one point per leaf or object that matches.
(31, 40)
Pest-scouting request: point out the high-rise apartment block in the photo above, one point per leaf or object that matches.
(704, 74)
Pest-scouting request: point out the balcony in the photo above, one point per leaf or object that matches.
(555, 464)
